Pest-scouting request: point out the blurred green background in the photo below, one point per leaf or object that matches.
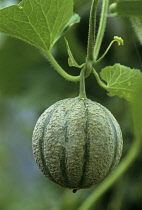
(28, 85)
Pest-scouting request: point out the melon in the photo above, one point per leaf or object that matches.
(77, 143)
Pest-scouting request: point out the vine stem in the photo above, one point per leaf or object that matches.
(107, 183)
(59, 69)
(91, 33)
(102, 27)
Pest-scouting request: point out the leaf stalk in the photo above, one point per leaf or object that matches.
(100, 82)
(59, 69)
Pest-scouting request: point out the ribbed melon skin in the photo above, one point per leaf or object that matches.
(77, 143)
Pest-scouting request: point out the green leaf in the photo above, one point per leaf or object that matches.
(38, 22)
(71, 60)
(121, 80)
(127, 8)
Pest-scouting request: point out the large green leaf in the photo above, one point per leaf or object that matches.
(121, 80)
(38, 22)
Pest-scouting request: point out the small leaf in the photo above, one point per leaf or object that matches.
(38, 22)
(71, 60)
(121, 80)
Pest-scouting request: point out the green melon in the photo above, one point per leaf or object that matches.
(77, 143)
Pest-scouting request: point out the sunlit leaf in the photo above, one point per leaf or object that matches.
(121, 80)
(38, 22)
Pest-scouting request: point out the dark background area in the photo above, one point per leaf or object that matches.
(28, 85)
